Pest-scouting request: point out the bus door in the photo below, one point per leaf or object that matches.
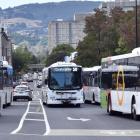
(91, 88)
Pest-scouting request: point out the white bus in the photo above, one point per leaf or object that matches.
(120, 83)
(6, 84)
(91, 84)
(62, 83)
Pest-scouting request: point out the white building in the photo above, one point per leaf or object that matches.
(65, 32)
(126, 5)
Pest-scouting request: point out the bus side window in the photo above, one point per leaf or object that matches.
(106, 81)
(85, 81)
(114, 81)
(46, 81)
(96, 81)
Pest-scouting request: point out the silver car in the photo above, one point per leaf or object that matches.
(22, 92)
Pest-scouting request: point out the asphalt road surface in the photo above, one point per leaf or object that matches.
(35, 121)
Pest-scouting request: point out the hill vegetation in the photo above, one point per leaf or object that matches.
(30, 21)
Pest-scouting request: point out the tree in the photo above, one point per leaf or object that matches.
(21, 58)
(59, 53)
(107, 35)
(99, 40)
(87, 51)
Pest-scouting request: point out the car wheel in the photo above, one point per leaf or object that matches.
(14, 99)
(30, 99)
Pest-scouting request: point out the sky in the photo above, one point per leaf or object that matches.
(12, 3)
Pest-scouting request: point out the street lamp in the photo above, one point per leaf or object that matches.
(136, 22)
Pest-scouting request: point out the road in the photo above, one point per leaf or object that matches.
(33, 121)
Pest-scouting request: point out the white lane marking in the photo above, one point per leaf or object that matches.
(19, 103)
(39, 120)
(24, 118)
(21, 121)
(75, 119)
(5, 134)
(38, 113)
(93, 132)
(46, 120)
(86, 132)
(35, 100)
(29, 134)
(35, 104)
(38, 93)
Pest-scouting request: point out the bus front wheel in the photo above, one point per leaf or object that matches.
(133, 112)
(78, 105)
(93, 98)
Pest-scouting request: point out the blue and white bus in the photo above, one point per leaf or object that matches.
(6, 84)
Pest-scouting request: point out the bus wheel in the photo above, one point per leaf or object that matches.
(93, 98)
(78, 105)
(84, 98)
(46, 100)
(42, 97)
(133, 112)
(29, 99)
(9, 104)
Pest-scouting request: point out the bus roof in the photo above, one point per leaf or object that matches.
(135, 52)
(95, 68)
(64, 64)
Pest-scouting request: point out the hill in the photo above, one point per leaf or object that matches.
(50, 11)
(29, 22)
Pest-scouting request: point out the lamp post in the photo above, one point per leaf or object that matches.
(136, 22)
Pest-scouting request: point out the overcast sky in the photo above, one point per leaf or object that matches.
(12, 3)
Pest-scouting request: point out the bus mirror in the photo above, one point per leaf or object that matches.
(46, 81)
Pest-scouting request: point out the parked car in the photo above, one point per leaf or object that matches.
(22, 92)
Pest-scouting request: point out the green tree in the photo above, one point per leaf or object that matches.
(107, 35)
(21, 58)
(59, 53)
(124, 26)
(87, 51)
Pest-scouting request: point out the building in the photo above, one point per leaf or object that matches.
(65, 32)
(5, 47)
(82, 16)
(126, 5)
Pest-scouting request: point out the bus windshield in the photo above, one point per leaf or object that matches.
(65, 78)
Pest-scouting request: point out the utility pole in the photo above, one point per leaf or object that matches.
(136, 22)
